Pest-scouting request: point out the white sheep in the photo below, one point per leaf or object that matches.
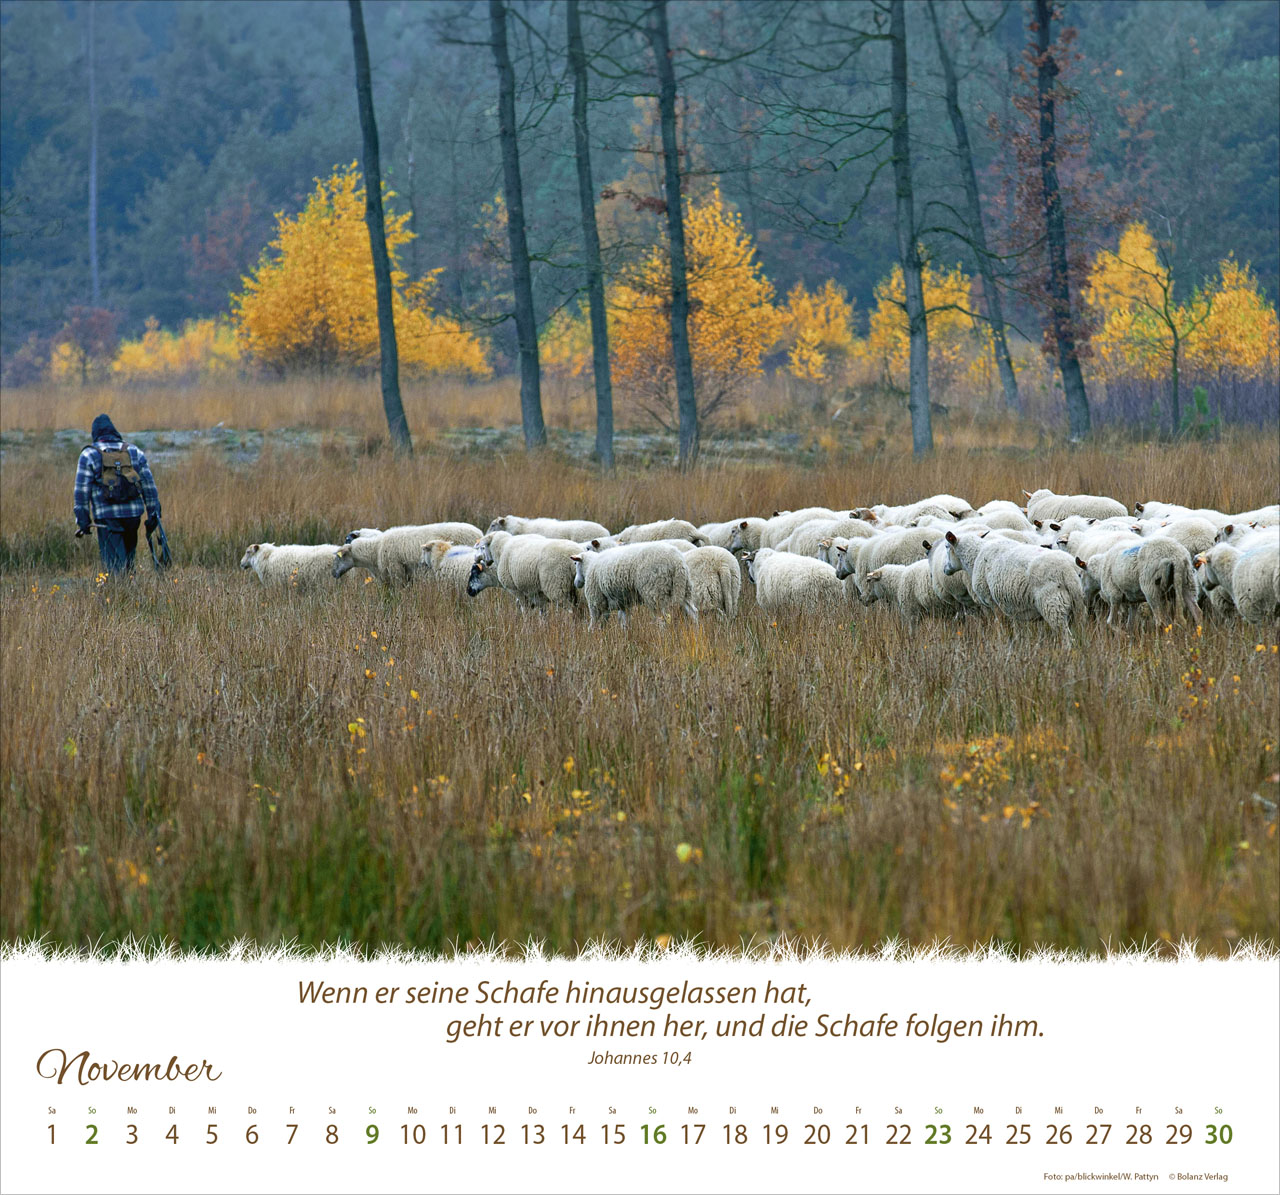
(1004, 520)
(1160, 510)
(787, 582)
(996, 522)
(720, 535)
(490, 544)
(449, 564)
(909, 587)
(297, 566)
(904, 546)
(360, 550)
(1050, 507)
(394, 555)
(1258, 537)
(784, 522)
(959, 508)
(640, 533)
(1088, 542)
(716, 578)
(1216, 602)
(999, 506)
(943, 506)
(1195, 534)
(1113, 576)
(830, 546)
(1032, 537)
(807, 539)
(1157, 571)
(1026, 582)
(1251, 577)
(611, 541)
(644, 574)
(576, 529)
(536, 570)
(1166, 576)
(454, 532)
(1264, 516)
(952, 589)
(1052, 528)
(1241, 534)
(829, 549)
(972, 553)
(846, 552)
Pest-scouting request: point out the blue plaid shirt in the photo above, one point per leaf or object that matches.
(88, 495)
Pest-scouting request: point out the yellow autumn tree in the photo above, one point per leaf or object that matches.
(203, 348)
(1224, 326)
(732, 318)
(958, 342)
(565, 344)
(818, 332)
(1241, 336)
(1142, 330)
(311, 302)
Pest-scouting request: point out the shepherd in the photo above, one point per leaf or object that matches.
(113, 487)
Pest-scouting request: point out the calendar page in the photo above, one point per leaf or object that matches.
(303, 1072)
(639, 595)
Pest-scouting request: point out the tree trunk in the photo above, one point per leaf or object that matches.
(95, 285)
(908, 251)
(1078, 421)
(1174, 380)
(535, 431)
(686, 400)
(977, 229)
(397, 425)
(591, 244)
(415, 269)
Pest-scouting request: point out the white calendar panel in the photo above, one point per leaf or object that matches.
(314, 1074)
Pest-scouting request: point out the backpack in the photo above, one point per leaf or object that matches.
(120, 481)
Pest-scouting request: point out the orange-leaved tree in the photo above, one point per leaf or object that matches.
(819, 332)
(732, 318)
(310, 302)
(957, 339)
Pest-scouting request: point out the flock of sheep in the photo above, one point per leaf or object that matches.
(1050, 560)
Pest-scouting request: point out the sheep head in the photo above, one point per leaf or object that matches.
(481, 578)
(342, 561)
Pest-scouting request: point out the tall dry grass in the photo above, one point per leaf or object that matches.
(861, 413)
(197, 758)
(215, 503)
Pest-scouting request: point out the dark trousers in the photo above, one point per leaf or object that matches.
(117, 543)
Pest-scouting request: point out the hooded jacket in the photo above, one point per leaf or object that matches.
(89, 504)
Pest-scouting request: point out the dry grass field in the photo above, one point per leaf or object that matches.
(857, 417)
(196, 759)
